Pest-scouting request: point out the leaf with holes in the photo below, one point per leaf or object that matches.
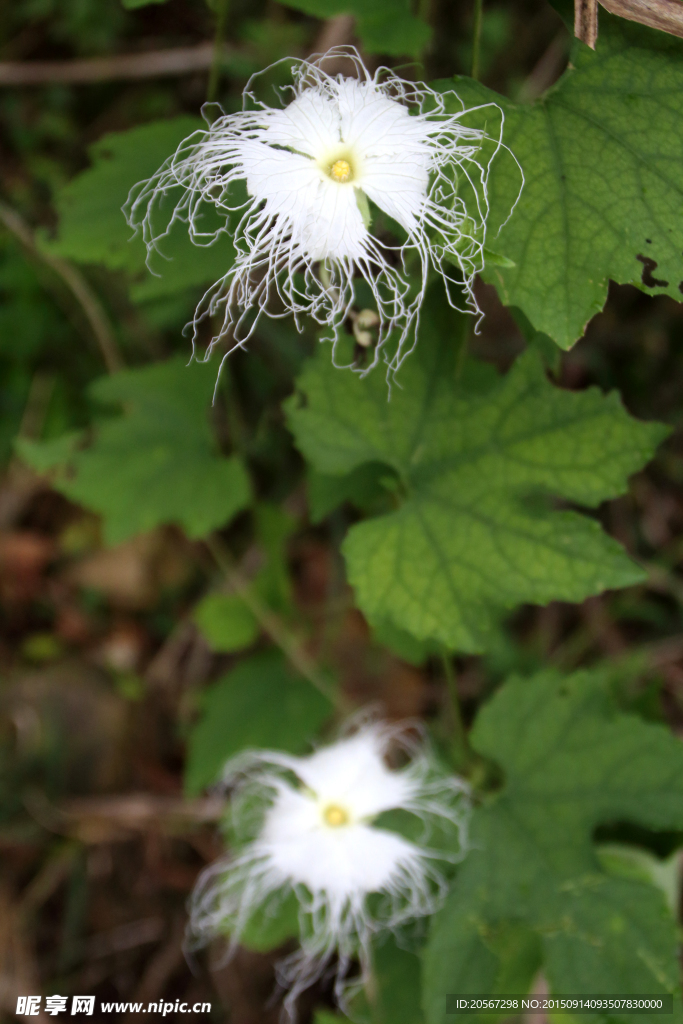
(571, 762)
(156, 463)
(475, 466)
(603, 198)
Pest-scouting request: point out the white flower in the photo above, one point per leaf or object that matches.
(310, 168)
(315, 836)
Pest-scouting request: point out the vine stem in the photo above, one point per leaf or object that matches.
(222, 7)
(273, 626)
(75, 282)
(476, 37)
(461, 747)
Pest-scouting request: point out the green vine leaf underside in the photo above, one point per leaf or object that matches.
(156, 463)
(473, 532)
(604, 181)
(571, 762)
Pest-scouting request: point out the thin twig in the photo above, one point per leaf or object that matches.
(461, 747)
(476, 37)
(153, 64)
(271, 624)
(215, 73)
(547, 69)
(335, 32)
(75, 282)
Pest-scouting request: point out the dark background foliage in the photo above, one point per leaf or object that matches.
(103, 664)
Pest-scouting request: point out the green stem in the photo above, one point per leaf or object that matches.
(222, 7)
(75, 282)
(476, 37)
(460, 745)
(273, 625)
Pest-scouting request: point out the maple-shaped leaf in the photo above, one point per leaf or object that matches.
(603, 196)
(157, 462)
(476, 465)
(571, 762)
(93, 229)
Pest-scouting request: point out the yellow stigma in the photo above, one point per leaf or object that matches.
(340, 170)
(335, 815)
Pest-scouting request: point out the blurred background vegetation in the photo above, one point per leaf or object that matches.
(104, 657)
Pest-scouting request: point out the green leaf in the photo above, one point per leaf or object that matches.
(363, 487)
(402, 643)
(92, 228)
(260, 703)
(392, 30)
(495, 259)
(274, 527)
(630, 862)
(225, 622)
(500, 959)
(474, 532)
(604, 180)
(156, 463)
(397, 978)
(45, 455)
(571, 762)
(395, 988)
(268, 927)
(384, 26)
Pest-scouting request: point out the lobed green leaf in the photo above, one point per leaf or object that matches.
(479, 464)
(603, 198)
(571, 762)
(156, 463)
(93, 229)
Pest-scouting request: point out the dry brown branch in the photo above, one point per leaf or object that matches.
(155, 64)
(547, 69)
(19, 975)
(603, 628)
(117, 818)
(666, 15)
(130, 935)
(162, 965)
(338, 31)
(586, 21)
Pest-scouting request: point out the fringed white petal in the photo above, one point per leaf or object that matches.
(310, 124)
(332, 864)
(301, 239)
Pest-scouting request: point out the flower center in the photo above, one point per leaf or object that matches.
(334, 815)
(340, 171)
